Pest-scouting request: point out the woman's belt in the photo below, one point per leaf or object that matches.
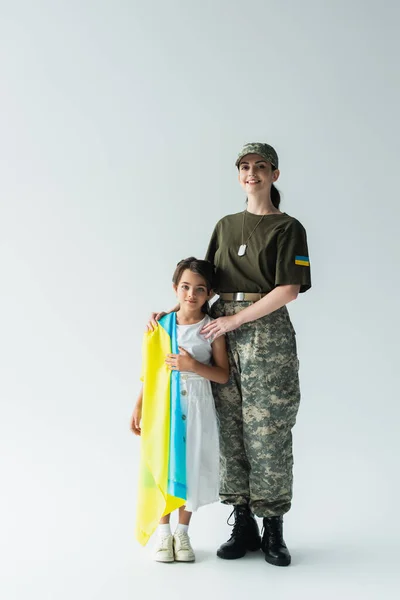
(242, 296)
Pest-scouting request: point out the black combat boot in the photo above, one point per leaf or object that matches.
(272, 544)
(245, 535)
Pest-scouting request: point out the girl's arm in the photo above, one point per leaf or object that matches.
(156, 316)
(218, 372)
(280, 296)
(137, 414)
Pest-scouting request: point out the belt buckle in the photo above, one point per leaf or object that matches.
(239, 296)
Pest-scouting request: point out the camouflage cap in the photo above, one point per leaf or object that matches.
(264, 150)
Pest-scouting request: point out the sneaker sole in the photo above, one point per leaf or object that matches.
(190, 560)
(164, 560)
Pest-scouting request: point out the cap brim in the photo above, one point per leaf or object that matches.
(259, 154)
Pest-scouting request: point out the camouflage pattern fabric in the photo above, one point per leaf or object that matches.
(257, 409)
(265, 150)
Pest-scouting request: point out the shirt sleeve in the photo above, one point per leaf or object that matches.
(293, 262)
(212, 246)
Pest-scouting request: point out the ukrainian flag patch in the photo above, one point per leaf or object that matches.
(304, 261)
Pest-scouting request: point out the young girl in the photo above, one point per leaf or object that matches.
(175, 415)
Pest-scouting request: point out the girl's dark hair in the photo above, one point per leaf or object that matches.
(204, 268)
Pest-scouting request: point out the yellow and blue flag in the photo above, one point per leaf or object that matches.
(302, 260)
(162, 474)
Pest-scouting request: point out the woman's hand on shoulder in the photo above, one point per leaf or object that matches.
(219, 327)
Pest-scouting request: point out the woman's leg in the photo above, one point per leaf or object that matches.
(234, 465)
(271, 396)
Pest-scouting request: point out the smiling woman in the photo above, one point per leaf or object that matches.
(261, 261)
(257, 408)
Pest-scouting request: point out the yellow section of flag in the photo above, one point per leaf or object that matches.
(153, 499)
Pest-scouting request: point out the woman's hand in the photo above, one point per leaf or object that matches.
(136, 418)
(152, 323)
(220, 326)
(180, 362)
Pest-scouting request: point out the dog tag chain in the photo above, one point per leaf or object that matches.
(243, 246)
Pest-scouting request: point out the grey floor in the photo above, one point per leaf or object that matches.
(85, 560)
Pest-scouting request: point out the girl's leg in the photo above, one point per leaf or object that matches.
(183, 550)
(184, 516)
(163, 551)
(164, 527)
(164, 520)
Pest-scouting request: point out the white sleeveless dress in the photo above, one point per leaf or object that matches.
(202, 446)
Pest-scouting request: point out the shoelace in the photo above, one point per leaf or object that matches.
(230, 524)
(184, 540)
(238, 526)
(164, 542)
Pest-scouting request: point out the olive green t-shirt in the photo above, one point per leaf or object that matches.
(276, 253)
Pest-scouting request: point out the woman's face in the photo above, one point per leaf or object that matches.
(256, 174)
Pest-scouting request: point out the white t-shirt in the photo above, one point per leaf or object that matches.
(190, 339)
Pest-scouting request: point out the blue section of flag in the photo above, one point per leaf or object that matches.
(177, 447)
(305, 258)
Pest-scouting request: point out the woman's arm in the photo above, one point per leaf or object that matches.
(218, 372)
(280, 296)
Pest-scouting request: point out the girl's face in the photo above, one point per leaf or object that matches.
(256, 174)
(191, 291)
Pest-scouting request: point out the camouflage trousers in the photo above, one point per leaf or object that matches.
(257, 409)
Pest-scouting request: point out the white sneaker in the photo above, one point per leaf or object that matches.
(182, 549)
(164, 550)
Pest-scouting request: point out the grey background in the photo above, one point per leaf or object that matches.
(120, 122)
